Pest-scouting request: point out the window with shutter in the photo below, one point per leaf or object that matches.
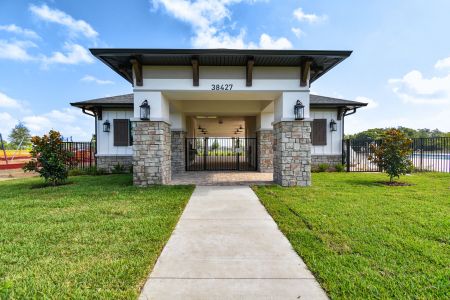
(319, 132)
(121, 132)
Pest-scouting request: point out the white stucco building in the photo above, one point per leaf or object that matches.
(219, 109)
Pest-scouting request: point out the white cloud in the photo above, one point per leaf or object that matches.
(70, 122)
(297, 31)
(13, 28)
(16, 50)
(267, 42)
(59, 17)
(75, 54)
(90, 78)
(8, 102)
(415, 88)
(370, 102)
(310, 18)
(443, 63)
(207, 20)
(36, 123)
(8, 122)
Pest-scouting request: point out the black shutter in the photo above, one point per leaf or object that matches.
(121, 132)
(319, 132)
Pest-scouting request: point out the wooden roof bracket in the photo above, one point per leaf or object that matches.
(249, 71)
(340, 112)
(137, 70)
(195, 71)
(305, 72)
(123, 71)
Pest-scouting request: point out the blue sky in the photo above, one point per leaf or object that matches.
(400, 63)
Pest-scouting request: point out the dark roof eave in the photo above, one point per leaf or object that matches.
(117, 58)
(348, 105)
(159, 51)
(91, 105)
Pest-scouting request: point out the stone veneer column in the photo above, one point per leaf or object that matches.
(178, 151)
(265, 150)
(292, 153)
(151, 153)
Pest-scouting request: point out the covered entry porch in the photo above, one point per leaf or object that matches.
(221, 131)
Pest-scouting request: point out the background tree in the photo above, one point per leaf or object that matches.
(20, 133)
(377, 133)
(48, 158)
(215, 145)
(393, 154)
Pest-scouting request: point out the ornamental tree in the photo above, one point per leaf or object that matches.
(20, 136)
(393, 154)
(49, 158)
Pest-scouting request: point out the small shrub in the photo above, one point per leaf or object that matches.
(119, 169)
(94, 171)
(322, 167)
(48, 158)
(392, 155)
(76, 172)
(339, 167)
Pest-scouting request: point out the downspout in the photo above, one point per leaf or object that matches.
(93, 114)
(343, 118)
(346, 110)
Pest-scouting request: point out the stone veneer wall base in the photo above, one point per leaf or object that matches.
(178, 151)
(108, 163)
(292, 153)
(331, 160)
(151, 153)
(265, 150)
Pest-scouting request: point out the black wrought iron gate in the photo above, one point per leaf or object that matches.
(221, 154)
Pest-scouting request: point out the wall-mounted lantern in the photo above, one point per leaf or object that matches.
(299, 110)
(333, 125)
(145, 110)
(106, 126)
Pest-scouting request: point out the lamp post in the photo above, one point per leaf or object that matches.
(145, 110)
(299, 110)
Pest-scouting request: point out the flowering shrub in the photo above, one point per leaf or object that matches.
(48, 158)
(392, 155)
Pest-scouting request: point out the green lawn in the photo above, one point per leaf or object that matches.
(95, 238)
(364, 240)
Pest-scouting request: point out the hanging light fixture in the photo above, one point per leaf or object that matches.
(145, 110)
(106, 126)
(333, 125)
(299, 110)
(240, 127)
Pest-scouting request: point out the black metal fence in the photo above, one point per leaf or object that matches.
(428, 154)
(221, 154)
(82, 154)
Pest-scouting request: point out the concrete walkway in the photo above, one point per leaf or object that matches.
(226, 246)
